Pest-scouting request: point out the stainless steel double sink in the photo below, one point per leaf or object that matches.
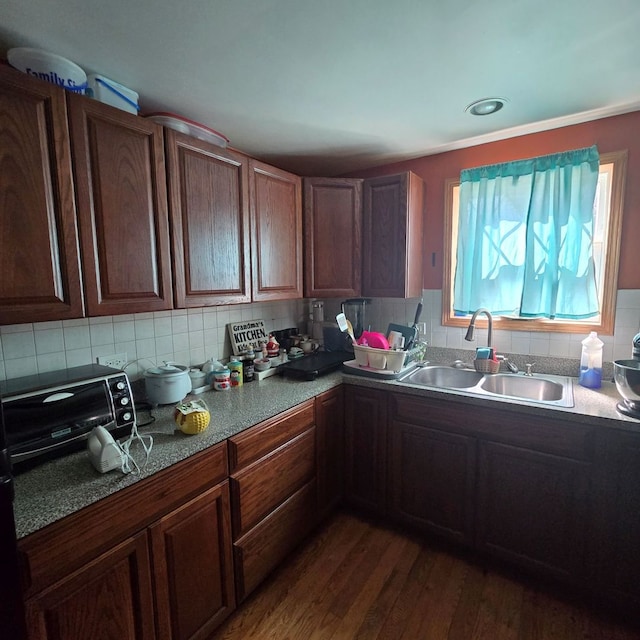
(539, 388)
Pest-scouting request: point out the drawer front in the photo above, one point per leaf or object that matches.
(256, 442)
(261, 487)
(267, 544)
(548, 434)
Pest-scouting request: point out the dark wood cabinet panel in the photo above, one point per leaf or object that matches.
(276, 233)
(265, 437)
(259, 551)
(110, 597)
(193, 567)
(209, 207)
(39, 255)
(260, 487)
(329, 449)
(365, 448)
(122, 209)
(432, 477)
(332, 237)
(392, 236)
(618, 517)
(533, 508)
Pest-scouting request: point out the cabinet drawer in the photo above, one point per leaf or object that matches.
(259, 488)
(257, 441)
(267, 544)
(548, 434)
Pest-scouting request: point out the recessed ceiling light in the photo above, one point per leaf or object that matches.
(486, 106)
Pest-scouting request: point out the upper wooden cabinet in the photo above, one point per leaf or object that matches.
(209, 208)
(122, 209)
(276, 232)
(333, 237)
(392, 237)
(39, 258)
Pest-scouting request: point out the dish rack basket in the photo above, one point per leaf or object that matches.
(486, 366)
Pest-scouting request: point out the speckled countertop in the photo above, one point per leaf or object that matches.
(58, 488)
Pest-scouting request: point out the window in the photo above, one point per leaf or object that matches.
(607, 230)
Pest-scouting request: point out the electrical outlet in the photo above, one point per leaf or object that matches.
(117, 360)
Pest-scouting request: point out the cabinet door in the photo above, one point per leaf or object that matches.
(365, 448)
(209, 206)
(39, 258)
(332, 237)
(432, 479)
(276, 233)
(193, 567)
(618, 517)
(122, 208)
(532, 508)
(329, 449)
(110, 597)
(392, 236)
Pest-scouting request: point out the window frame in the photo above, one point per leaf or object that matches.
(605, 324)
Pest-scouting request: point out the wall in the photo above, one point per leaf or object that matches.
(609, 134)
(185, 336)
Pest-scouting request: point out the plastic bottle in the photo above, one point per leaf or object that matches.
(591, 362)
(236, 371)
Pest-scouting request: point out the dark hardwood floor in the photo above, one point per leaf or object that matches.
(355, 579)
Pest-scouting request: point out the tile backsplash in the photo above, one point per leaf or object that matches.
(187, 336)
(382, 311)
(194, 335)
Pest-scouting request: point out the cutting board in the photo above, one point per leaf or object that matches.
(407, 332)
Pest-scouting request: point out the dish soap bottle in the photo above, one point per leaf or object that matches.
(591, 362)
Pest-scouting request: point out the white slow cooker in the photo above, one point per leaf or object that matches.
(167, 384)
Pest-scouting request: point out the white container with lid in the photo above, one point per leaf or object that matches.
(112, 92)
(591, 362)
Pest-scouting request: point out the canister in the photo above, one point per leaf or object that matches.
(235, 369)
(222, 379)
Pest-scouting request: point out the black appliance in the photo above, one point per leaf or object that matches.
(52, 414)
(12, 621)
(314, 365)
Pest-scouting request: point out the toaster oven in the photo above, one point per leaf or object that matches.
(50, 415)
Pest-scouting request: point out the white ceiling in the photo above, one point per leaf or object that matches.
(325, 87)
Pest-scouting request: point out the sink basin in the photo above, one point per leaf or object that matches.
(530, 388)
(543, 389)
(448, 377)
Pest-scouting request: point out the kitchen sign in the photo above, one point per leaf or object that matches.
(246, 333)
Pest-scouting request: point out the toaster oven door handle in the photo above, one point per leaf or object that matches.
(55, 397)
(23, 455)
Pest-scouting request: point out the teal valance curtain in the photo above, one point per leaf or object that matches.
(525, 234)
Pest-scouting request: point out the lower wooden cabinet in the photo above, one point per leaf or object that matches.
(432, 479)
(193, 567)
(330, 449)
(150, 562)
(617, 550)
(533, 508)
(110, 597)
(366, 449)
(273, 492)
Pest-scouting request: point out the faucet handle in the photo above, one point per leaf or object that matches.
(529, 367)
(510, 365)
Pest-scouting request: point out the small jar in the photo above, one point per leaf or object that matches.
(248, 369)
(222, 379)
